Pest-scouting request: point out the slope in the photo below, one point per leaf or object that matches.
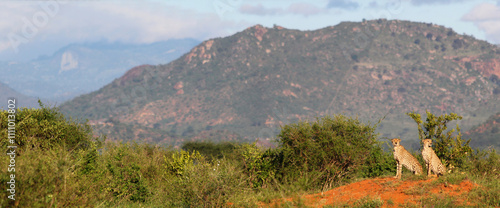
(253, 81)
(21, 100)
(82, 68)
(489, 132)
(387, 192)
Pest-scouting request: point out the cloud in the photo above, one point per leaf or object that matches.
(486, 17)
(343, 4)
(373, 4)
(130, 21)
(259, 10)
(301, 8)
(422, 2)
(304, 9)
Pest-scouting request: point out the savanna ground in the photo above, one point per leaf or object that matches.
(457, 190)
(333, 162)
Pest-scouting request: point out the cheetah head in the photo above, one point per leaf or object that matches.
(427, 143)
(395, 142)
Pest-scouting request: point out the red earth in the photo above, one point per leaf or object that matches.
(393, 192)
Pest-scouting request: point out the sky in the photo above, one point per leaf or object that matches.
(29, 29)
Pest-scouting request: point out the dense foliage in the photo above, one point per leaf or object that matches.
(210, 149)
(327, 150)
(312, 156)
(45, 128)
(449, 147)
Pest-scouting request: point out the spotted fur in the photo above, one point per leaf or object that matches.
(431, 159)
(404, 158)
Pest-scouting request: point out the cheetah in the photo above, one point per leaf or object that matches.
(432, 161)
(404, 158)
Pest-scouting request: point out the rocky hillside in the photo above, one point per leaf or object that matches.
(487, 134)
(247, 84)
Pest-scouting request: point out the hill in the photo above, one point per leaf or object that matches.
(82, 68)
(386, 192)
(21, 100)
(489, 132)
(249, 83)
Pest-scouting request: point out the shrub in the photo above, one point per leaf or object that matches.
(209, 149)
(125, 179)
(448, 147)
(258, 164)
(52, 151)
(46, 128)
(378, 163)
(204, 185)
(89, 161)
(332, 149)
(457, 44)
(181, 161)
(485, 163)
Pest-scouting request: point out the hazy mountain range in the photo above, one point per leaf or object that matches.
(82, 68)
(21, 100)
(244, 86)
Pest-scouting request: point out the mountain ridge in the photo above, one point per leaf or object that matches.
(7, 92)
(255, 80)
(81, 68)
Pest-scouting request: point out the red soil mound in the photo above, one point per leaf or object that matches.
(387, 189)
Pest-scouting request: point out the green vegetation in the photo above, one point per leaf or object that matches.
(210, 149)
(448, 147)
(45, 128)
(327, 151)
(61, 164)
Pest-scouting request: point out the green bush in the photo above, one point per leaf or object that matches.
(45, 128)
(333, 149)
(485, 163)
(258, 164)
(205, 185)
(378, 163)
(89, 160)
(449, 147)
(125, 177)
(210, 149)
(181, 161)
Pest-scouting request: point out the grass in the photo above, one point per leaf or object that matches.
(440, 201)
(369, 202)
(453, 178)
(488, 191)
(365, 202)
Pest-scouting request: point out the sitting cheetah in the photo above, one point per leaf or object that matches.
(404, 158)
(431, 159)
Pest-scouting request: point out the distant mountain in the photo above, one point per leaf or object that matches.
(21, 100)
(82, 68)
(486, 134)
(250, 83)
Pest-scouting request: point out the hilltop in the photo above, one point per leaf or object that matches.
(387, 192)
(246, 85)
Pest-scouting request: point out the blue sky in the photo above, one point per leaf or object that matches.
(32, 28)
